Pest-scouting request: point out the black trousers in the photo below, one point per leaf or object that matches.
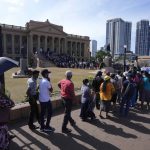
(67, 116)
(34, 112)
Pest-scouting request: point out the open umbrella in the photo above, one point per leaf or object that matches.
(6, 64)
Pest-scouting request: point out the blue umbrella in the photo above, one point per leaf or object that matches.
(6, 64)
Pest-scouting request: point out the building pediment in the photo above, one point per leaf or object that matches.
(45, 27)
(49, 29)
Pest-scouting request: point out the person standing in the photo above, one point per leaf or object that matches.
(86, 102)
(146, 90)
(67, 93)
(45, 89)
(127, 94)
(32, 95)
(97, 81)
(106, 92)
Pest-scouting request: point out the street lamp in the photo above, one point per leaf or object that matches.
(124, 60)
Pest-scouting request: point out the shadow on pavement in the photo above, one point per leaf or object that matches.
(94, 142)
(111, 129)
(68, 142)
(128, 123)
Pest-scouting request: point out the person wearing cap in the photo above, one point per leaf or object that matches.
(127, 93)
(45, 90)
(106, 91)
(67, 93)
(32, 95)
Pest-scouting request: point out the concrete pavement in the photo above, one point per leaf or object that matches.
(115, 133)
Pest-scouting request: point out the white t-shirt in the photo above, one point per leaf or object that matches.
(44, 86)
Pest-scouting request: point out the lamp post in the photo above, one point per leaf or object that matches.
(124, 59)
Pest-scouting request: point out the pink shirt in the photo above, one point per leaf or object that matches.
(67, 88)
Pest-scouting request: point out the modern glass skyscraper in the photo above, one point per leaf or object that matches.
(118, 34)
(142, 45)
(93, 47)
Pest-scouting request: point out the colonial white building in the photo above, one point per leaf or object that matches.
(42, 35)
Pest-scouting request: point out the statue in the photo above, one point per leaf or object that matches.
(23, 52)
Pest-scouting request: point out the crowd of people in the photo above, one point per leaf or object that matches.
(107, 89)
(67, 61)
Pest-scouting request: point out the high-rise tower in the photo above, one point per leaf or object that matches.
(118, 34)
(142, 45)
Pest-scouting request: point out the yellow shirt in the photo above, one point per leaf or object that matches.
(109, 92)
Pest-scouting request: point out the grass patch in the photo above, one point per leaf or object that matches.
(17, 87)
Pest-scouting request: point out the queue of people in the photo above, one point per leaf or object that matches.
(124, 89)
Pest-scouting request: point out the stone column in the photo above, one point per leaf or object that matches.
(45, 46)
(31, 43)
(75, 49)
(53, 43)
(30, 47)
(65, 47)
(39, 44)
(4, 39)
(79, 49)
(59, 45)
(20, 43)
(71, 48)
(13, 49)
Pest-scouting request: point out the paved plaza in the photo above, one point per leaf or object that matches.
(115, 133)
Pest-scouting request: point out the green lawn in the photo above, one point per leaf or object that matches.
(17, 87)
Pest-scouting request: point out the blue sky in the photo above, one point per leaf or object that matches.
(81, 17)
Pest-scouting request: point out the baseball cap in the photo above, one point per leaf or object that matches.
(35, 72)
(45, 71)
(107, 78)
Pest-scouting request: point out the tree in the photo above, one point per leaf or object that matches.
(101, 54)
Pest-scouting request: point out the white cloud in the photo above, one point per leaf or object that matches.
(17, 3)
(82, 17)
(36, 1)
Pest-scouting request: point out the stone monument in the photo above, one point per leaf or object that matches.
(108, 61)
(23, 72)
(108, 65)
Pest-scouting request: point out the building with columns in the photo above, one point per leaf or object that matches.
(42, 35)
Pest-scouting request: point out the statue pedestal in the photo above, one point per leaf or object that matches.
(23, 66)
(22, 73)
(108, 61)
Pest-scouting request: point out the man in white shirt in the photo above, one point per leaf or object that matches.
(45, 89)
(32, 94)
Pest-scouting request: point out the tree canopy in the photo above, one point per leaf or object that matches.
(101, 54)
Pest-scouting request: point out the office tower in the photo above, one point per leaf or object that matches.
(93, 47)
(142, 45)
(118, 34)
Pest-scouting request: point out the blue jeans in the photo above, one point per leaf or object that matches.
(46, 107)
